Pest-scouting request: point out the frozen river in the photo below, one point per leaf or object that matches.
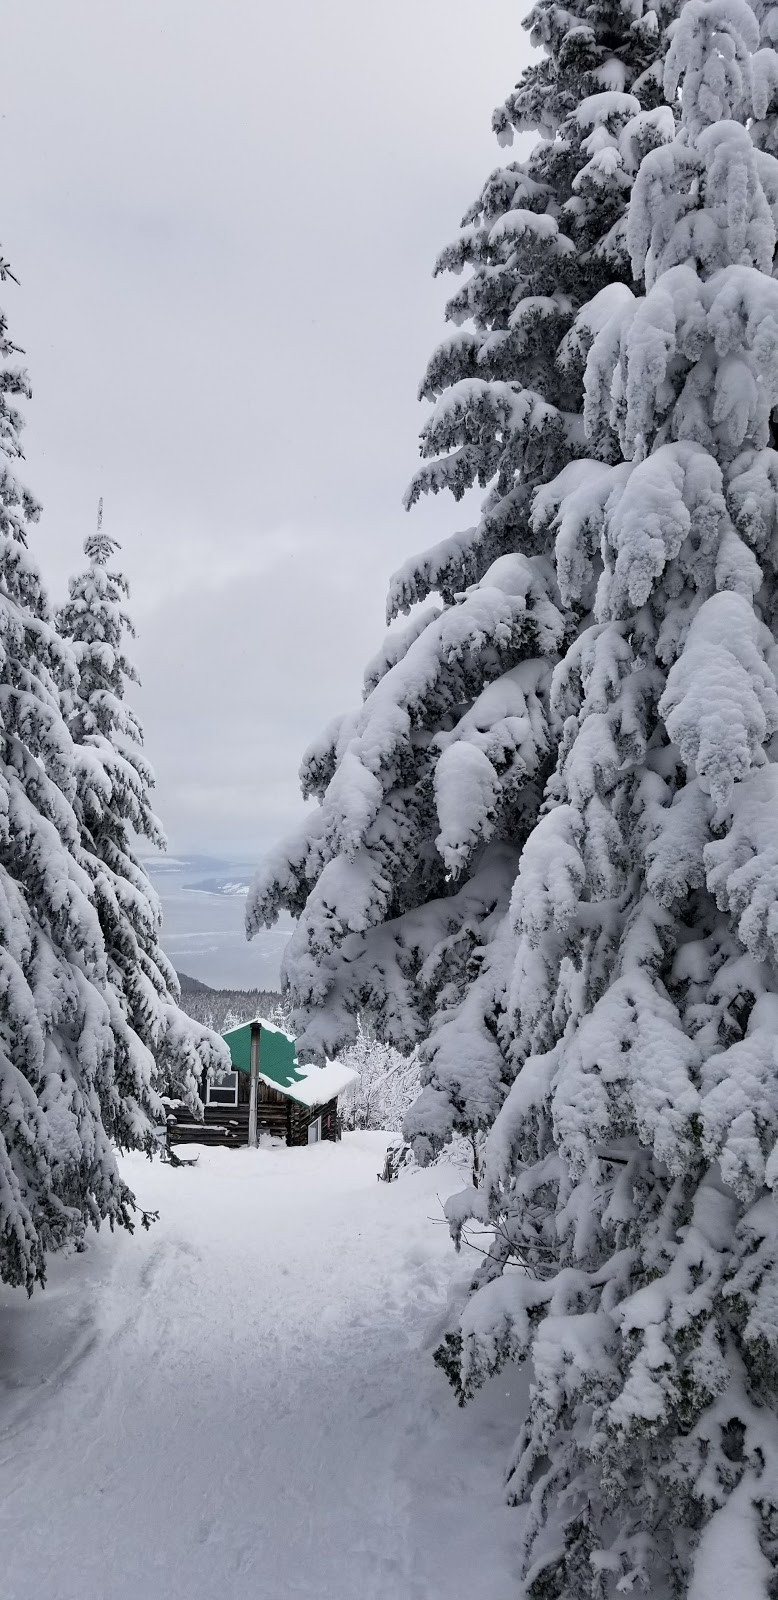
(203, 903)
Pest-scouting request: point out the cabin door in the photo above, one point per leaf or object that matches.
(314, 1131)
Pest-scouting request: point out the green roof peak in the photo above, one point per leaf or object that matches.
(277, 1053)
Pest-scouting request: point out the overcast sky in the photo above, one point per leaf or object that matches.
(224, 216)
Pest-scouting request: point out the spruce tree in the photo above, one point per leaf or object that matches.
(630, 1174)
(402, 878)
(70, 1076)
(113, 806)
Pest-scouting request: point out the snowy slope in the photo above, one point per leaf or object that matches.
(242, 1403)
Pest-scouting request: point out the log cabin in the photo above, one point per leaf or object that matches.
(296, 1103)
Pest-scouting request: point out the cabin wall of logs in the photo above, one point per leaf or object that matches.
(277, 1114)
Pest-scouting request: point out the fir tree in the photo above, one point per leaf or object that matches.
(69, 1077)
(402, 878)
(630, 1172)
(113, 806)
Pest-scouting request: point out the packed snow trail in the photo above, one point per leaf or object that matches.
(242, 1402)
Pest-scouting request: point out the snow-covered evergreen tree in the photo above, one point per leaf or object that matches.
(402, 877)
(113, 806)
(69, 1077)
(630, 1173)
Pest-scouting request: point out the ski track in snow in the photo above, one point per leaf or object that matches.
(242, 1402)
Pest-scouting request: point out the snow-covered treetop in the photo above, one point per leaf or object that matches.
(712, 51)
(95, 618)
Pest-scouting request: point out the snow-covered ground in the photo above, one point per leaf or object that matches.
(242, 1402)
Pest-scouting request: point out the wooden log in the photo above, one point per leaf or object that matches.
(208, 1136)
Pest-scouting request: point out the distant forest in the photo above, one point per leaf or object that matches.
(225, 1008)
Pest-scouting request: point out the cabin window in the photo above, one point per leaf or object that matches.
(314, 1131)
(225, 1092)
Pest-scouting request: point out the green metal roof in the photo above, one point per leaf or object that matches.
(277, 1054)
(278, 1065)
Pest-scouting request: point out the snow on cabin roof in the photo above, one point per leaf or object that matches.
(321, 1084)
(278, 1065)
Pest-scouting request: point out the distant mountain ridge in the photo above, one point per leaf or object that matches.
(193, 985)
